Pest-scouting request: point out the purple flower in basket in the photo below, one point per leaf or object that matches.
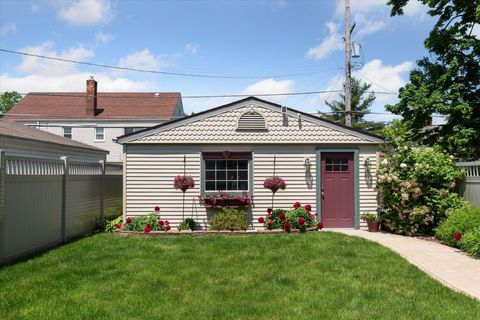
(274, 183)
(183, 183)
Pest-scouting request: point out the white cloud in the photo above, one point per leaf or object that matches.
(192, 47)
(270, 86)
(71, 82)
(101, 37)
(476, 30)
(384, 77)
(8, 28)
(281, 4)
(87, 12)
(330, 43)
(39, 66)
(143, 59)
(415, 8)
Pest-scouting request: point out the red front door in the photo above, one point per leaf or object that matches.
(337, 191)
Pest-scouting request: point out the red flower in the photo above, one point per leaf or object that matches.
(157, 208)
(129, 220)
(270, 223)
(261, 220)
(297, 205)
(457, 236)
(308, 208)
(118, 226)
(149, 225)
(268, 215)
(166, 222)
(269, 210)
(301, 221)
(281, 216)
(167, 227)
(319, 226)
(161, 223)
(287, 225)
(146, 230)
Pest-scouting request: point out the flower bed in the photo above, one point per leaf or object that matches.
(188, 233)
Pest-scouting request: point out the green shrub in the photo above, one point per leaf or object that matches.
(187, 224)
(110, 225)
(229, 219)
(295, 213)
(416, 188)
(470, 242)
(369, 217)
(142, 222)
(461, 221)
(278, 217)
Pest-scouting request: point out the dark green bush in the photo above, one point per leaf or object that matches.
(229, 219)
(187, 224)
(470, 242)
(461, 221)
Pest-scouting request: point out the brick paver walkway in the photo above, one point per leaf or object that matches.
(448, 265)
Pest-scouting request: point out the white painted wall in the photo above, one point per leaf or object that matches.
(84, 131)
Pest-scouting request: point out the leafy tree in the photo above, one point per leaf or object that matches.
(447, 82)
(8, 100)
(360, 106)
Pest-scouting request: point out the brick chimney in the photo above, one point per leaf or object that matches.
(91, 101)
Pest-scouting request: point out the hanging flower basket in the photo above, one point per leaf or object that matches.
(183, 183)
(226, 200)
(274, 183)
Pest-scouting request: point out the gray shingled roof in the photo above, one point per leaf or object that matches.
(20, 131)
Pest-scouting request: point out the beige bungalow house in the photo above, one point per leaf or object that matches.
(235, 147)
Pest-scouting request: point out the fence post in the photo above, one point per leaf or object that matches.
(3, 175)
(66, 172)
(102, 194)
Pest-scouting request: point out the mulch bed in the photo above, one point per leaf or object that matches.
(196, 233)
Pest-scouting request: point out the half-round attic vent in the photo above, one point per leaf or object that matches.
(251, 120)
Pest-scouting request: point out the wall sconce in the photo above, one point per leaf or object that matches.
(307, 163)
(366, 161)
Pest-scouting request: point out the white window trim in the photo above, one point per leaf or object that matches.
(95, 133)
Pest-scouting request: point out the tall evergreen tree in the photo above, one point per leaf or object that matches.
(361, 103)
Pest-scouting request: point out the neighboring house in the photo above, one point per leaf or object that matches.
(96, 118)
(236, 146)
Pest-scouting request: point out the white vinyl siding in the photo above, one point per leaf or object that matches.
(368, 169)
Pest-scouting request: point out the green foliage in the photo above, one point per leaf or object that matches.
(445, 82)
(416, 189)
(229, 219)
(360, 106)
(187, 224)
(140, 223)
(470, 243)
(461, 221)
(110, 225)
(8, 100)
(274, 221)
(370, 217)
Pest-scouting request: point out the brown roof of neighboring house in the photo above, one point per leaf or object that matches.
(110, 105)
(20, 131)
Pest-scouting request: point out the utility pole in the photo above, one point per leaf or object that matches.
(348, 71)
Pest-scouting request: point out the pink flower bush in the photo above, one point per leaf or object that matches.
(274, 183)
(183, 183)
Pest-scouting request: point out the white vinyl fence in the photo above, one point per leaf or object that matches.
(44, 202)
(469, 188)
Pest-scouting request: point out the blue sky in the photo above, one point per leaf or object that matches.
(233, 38)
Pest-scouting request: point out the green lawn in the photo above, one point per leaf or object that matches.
(312, 276)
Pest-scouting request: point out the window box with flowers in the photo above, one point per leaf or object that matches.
(226, 200)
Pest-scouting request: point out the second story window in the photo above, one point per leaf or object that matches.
(99, 134)
(132, 130)
(67, 132)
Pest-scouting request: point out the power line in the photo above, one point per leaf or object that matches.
(375, 83)
(165, 72)
(126, 96)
